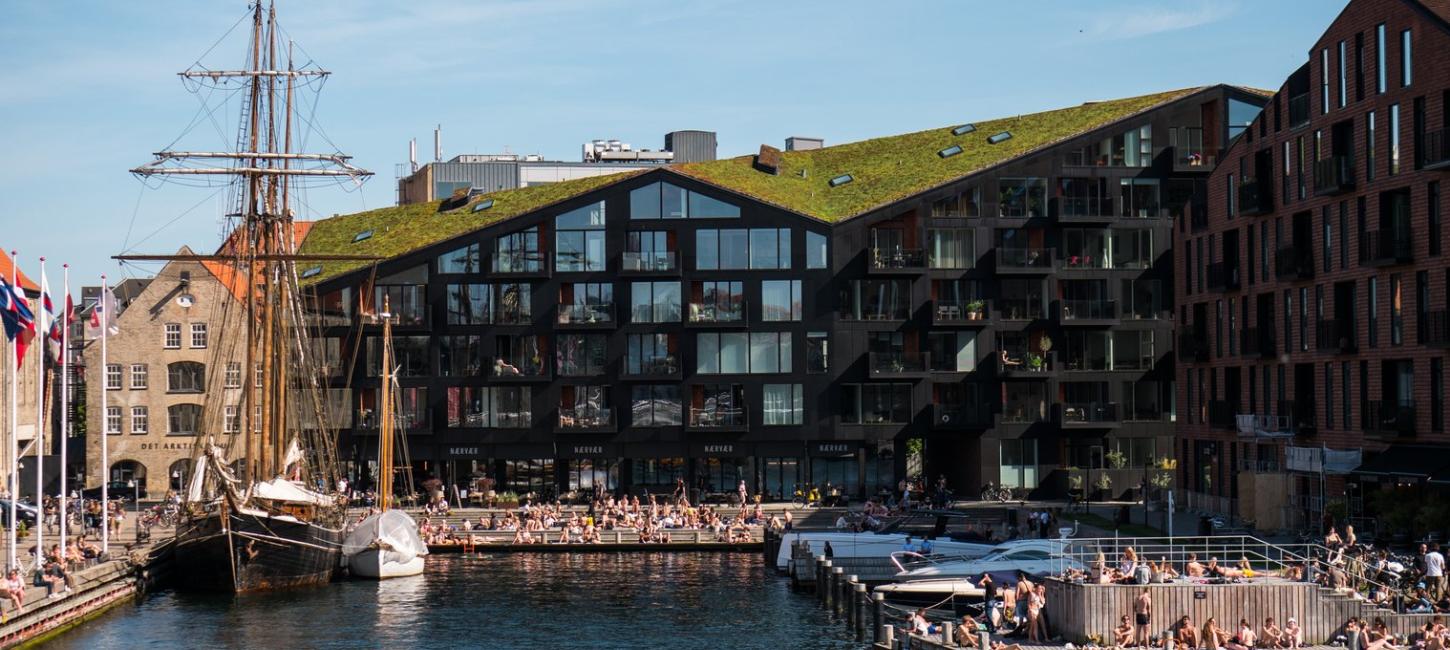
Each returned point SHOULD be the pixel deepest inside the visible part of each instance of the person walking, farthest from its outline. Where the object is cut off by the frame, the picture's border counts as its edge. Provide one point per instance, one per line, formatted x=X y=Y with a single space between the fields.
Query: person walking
x=1142 y=615
x=1435 y=572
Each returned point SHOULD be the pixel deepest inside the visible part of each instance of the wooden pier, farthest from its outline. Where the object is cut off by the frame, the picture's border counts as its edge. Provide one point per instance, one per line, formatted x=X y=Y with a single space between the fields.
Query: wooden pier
x=611 y=541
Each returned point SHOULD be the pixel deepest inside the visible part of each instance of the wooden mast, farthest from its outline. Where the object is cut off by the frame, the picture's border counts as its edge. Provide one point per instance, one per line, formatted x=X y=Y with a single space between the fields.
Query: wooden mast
x=385 y=408
x=248 y=239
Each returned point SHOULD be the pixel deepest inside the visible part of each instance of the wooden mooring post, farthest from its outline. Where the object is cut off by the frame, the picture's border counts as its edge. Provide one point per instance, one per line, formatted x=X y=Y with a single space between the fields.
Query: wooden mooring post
x=838 y=581
x=860 y=603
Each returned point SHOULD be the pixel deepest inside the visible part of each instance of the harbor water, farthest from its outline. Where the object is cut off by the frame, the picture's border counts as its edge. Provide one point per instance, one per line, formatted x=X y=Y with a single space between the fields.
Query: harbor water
x=522 y=600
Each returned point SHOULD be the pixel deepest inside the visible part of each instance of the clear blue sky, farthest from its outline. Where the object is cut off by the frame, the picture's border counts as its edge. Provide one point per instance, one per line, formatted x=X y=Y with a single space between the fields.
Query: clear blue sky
x=88 y=89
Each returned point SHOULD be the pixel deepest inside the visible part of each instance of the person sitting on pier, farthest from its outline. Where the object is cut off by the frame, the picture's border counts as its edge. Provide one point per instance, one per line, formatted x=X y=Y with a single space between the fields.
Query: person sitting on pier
x=1272 y=636
x=1244 y=639
x=1380 y=636
x=1163 y=571
x=1129 y=565
x=1123 y=633
x=1193 y=568
x=1332 y=539
x=13 y=588
x=1183 y=636
x=966 y=632
x=1293 y=636
x=53 y=577
x=1214 y=637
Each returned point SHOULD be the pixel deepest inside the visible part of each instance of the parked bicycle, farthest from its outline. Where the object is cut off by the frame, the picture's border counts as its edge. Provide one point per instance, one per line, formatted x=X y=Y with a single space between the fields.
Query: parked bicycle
x=1000 y=494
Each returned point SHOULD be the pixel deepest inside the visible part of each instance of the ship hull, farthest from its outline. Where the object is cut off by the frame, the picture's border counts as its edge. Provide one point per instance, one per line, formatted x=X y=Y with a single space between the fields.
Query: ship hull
x=240 y=552
x=379 y=564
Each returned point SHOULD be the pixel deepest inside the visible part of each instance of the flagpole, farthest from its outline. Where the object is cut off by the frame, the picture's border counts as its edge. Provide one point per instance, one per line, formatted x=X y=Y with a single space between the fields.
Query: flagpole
x=40 y=422
x=13 y=484
x=105 y=435
x=64 y=397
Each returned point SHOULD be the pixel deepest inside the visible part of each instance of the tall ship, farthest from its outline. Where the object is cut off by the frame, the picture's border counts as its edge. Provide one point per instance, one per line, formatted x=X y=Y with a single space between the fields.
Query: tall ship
x=261 y=508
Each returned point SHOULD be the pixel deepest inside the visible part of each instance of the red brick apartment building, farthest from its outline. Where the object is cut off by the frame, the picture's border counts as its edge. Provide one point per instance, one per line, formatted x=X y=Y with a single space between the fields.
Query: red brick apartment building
x=1313 y=289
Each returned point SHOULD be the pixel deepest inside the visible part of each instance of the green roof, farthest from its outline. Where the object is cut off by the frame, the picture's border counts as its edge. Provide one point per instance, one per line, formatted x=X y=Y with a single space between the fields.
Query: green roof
x=404 y=228
x=892 y=168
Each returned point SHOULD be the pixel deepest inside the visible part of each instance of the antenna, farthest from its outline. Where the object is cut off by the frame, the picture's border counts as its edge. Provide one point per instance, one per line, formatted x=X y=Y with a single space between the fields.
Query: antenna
x=438 y=143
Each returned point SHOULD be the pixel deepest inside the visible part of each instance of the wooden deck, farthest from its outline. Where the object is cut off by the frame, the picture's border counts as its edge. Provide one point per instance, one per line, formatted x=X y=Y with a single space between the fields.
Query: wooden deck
x=1076 y=611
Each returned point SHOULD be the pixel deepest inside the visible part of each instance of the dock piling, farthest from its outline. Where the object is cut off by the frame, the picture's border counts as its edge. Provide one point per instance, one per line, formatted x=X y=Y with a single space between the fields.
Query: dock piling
x=947 y=639
x=878 y=615
x=838 y=582
x=859 y=604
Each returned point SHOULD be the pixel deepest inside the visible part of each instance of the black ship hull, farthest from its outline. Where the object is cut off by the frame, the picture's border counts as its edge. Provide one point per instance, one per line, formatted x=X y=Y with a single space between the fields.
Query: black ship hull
x=240 y=552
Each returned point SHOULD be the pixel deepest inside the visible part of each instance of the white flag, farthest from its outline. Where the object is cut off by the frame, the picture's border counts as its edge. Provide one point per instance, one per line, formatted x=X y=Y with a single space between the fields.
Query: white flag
x=105 y=308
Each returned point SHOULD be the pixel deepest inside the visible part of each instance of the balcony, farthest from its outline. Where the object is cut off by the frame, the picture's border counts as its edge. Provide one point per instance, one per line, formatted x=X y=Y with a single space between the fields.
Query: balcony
x=1437 y=149
x=1223 y=277
x=1303 y=417
x=714 y=314
x=1025 y=260
x=1018 y=363
x=586 y=316
x=520 y=264
x=898 y=365
x=1090 y=312
x=1090 y=415
x=1389 y=420
x=1336 y=336
x=1435 y=330
x=719 y=419
x=1221 y=414
x=1333 y=175
x=1084 y=210
x=666 y=262
x=1255 y=198
x=1385 y=248
x=1021 y=310
x=1263 y=426
x=959 y=416
x=1293 y=262
x=665 y=367
x=898 y=260
x=585 y=420
x=959 y=312
x=521 y=370
x=1257 y=342
x=1076 y=261
x=1192 y=345
x=1189 y=155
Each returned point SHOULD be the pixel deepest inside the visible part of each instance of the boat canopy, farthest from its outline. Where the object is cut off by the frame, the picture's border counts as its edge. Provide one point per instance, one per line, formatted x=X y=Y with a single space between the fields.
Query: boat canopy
x=393 y=530
x=280 y=489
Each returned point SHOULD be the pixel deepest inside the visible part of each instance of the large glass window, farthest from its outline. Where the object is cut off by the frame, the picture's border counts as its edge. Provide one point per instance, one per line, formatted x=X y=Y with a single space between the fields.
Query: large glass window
x=1139 y=197
x=515 y=303
x=460 y=356
x=470 y=304
x=519 y=355
x=717 y=302
x=717 y=405
x=518 y=252
x=1133 y=148
x=1133 y=249
x=405 y=302
x=652 y=354
x=183 y=419
x=581 y=355
x=1144 y=298
x=666 y=201
x=1022 y=197
x=1394 y=139
x=741 y=352
x=655 y=302
x=650 y=250
x=816 y=251
x=1084 y=197
x=951 y=248
x=963 y=205
x=183 y=377
x=655 y=406
x=770 y=248
x=1380 y=44
x=783 y=404
x=1406 y=59
x=463 y=260
x=875 y=403
x=504 y=407
x=877 y=300
x=780 y=300
x=580 y=239
x=410 y=356
x=585 y=407
x=953 y=351
x=817 y=352
x=586 y=302
x=1017 y=467
x=770 y=352
x=529 y=476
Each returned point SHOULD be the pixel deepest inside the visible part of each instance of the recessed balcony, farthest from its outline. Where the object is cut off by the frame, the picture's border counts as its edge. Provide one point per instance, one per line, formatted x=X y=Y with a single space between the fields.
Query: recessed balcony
x=1025 y=260
x=1389 y=420
x=719 y=419
x=1293 y=263
x=585 y=420
x=716 y=314
x=894 y=260
x=1334 y=175
x=959 y=312
x=898 y=365
x=1089 y=415
x=1090 y=312
x=1334 y=335
x=1385 y=248
x=1255 y=198
x=586 y=316
x=649 y=263
x=1437 y=149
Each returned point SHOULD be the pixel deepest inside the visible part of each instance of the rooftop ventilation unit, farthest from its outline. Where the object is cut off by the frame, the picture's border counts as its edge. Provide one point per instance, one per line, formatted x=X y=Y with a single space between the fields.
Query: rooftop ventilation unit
x=964 y=129
x=841 y=180
x=1000 y=138
x=950 y=151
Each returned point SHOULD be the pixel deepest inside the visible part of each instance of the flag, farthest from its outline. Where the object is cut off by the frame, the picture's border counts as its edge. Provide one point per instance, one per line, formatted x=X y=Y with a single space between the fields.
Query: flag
x=106 y=306
x=19 y=320
x=56 y=335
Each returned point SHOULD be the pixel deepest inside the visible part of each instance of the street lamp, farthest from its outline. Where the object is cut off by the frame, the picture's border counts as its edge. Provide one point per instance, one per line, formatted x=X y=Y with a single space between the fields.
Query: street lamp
x=135 y=496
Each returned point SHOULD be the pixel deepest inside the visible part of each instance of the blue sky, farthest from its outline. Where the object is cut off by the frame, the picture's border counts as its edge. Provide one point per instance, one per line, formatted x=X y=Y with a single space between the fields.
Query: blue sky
x=89 y=87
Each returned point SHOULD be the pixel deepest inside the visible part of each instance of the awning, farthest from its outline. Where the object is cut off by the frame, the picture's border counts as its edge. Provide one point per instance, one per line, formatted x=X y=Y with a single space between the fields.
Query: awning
x=1407 y=461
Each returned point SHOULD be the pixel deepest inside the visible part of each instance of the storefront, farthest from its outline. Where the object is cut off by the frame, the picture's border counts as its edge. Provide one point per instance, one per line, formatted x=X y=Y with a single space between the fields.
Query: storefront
x=590 y=468
x=837 y=465
x=655 y=467
x=780 y=468
x=526 y=469
x=464 y=465
x=719 y=467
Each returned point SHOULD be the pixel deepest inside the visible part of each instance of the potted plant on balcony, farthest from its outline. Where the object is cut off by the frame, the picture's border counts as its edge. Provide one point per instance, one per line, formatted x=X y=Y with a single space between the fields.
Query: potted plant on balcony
x=1104 y=486
x=1075 y=492
x=1034 y=362
x=974 y=309
x=1116 y=459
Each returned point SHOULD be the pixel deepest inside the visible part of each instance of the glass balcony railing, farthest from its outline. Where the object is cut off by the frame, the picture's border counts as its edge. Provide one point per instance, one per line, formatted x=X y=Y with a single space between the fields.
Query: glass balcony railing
x=586 y=314
x=649 y=262
x=591 y=418
x=897 y=259
x=715 y=312
x=1090 y=413
x=1089 y=310
x=1025 y=258
x=719 y=417
x=892 y=364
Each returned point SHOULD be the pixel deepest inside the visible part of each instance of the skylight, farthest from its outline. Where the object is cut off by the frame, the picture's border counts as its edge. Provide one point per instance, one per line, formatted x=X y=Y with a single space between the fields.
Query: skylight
x=366 y=234
x=841 y=180
x=964 y=129
x=1000 y=138
x=950 y=151
x=312 y=272
x=483 y=205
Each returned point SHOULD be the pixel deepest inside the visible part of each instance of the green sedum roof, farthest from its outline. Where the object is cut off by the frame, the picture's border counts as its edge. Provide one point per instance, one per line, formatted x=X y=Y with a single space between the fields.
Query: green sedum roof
x=405 y=228
x=895 y=167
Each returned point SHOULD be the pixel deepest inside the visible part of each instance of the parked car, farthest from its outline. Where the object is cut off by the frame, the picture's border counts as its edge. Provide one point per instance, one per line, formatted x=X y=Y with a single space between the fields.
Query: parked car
x=26 y=512
x=116 y=491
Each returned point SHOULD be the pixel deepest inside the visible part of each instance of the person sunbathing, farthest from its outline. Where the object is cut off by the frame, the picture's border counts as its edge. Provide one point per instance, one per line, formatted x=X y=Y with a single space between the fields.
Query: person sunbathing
x=1193 y=569
x=1183 y=637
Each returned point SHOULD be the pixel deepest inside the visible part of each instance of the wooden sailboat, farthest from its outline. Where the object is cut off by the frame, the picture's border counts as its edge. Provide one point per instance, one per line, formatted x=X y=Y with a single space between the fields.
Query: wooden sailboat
x=386 y=544
x=261 y=510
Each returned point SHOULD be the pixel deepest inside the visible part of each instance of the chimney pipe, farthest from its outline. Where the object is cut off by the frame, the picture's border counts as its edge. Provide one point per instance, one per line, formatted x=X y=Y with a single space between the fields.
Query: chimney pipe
x=438 y=144
x=413 y=153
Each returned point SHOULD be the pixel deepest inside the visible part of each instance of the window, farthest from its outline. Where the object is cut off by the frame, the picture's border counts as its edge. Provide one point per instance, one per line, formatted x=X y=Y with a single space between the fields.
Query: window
x=780 y=300
x=1329 y=396
x=816 y=251
x=1406 y=59
x=1433 y=208
x=953 y=351
x=951 y=248
x=257 y=375
x=234 y=375
x=783 y=404
x=1304 y=319
x=875 y=403
x=1379 y=52
x=1022 y=197
x=518 y=252
x=1343 y=86
x=655 y=302
x=113 y=419
x=731 y=249
x=652 y=354
x=460 y=356
x=1324 y=81
x=173 y=336
x=579 y=239
x=656 y=406
x=877 y=300
x=1397 y=314
x=817 y=352
x=198 y=335
x=1369 y=146
x=1372 y=321
x=404 y=301
x=666 y=201
x=186 y=377
x=742 y=353
x=464 y=260
x=410 y=356
x=1288 y=171
x=501 y=407
x=1133 y=148
x=1084 y=197
x=1326 y=246
x=586 y=302
x=1437 y=387
x=581 y=355
x=717 y=302
x=138 y=376
x=469 y=304
x=1343 y=235
x=1232 y=203
x=1346 y=411
x=1394 y=139
x=513 y=303
x=231 y=419
x=183 y=419
x=650 y=250
x=140 y=421
x=958 y=206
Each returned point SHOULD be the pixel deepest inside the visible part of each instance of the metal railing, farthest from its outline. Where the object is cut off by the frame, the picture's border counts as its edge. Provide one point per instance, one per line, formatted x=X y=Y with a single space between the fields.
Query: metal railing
x=1090 y=413
x=1089 y=309
x=586 y=314
x=897 y=363
x=1255 y=197
x=1293 y=262
x=1385 y=247
x=953 y=311
x=1335 y=335
x=1389 y=418
x=1025 y=258
x=586 y=418
x=1437 y=149
x=718 y=417
x=1435 y=328
x=715 y=312
x=898 y=258
x=1334 y=175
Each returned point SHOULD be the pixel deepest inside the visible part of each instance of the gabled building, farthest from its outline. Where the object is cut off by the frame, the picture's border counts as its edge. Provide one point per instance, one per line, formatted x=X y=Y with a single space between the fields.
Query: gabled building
x=998 y=291
x=1313 y=294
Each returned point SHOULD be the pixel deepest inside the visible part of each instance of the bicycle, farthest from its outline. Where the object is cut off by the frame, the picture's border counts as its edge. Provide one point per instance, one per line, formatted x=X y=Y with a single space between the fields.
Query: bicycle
x=1001 y=494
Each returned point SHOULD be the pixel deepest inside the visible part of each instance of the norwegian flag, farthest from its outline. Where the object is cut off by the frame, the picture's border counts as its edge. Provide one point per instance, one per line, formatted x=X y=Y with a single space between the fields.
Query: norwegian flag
x=19 y=320
x=54 y=336
x=105 y=305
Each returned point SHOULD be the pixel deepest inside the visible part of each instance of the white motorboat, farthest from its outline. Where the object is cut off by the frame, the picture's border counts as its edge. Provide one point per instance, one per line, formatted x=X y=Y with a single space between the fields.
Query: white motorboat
x=1034 y=557
x=881 y=545
x=385 y=545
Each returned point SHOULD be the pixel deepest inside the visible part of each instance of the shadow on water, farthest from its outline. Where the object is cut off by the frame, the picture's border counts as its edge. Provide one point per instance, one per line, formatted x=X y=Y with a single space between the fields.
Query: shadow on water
x=628 y=600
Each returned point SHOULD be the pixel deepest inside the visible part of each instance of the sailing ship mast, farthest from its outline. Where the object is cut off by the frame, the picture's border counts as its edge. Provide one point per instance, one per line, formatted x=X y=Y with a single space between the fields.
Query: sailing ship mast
x=385 y=406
